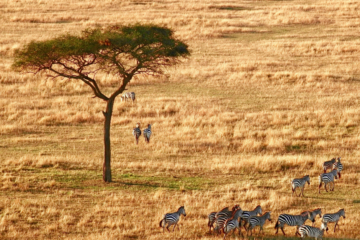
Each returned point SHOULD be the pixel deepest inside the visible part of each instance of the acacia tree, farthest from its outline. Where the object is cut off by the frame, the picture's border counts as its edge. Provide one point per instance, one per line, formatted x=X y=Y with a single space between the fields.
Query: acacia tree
x=122 y=51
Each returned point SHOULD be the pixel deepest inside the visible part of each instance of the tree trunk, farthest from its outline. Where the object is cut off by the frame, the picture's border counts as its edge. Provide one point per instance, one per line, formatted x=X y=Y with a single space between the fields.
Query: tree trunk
x=107 y=149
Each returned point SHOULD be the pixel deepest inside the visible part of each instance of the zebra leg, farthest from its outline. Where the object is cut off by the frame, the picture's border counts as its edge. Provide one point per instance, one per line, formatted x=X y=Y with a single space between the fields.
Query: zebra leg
x=325 y=187
x=174 y=227
x=297 y=231
x=282 y=229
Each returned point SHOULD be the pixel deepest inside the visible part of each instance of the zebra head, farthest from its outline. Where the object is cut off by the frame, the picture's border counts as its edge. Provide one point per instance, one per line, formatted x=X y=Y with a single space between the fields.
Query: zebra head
x=138 y=125
x=258 y=210
x=181 y=210
x=324 y=226
x=236 y=207
x=268 y=217
x=307 y=178
x=149 y=126
x=335 y=173
x=342 y=212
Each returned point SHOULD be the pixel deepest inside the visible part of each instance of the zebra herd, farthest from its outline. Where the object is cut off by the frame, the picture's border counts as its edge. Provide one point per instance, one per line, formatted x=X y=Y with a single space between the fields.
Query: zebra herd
x=326 y=178
x=137 y=131
x=227 y=221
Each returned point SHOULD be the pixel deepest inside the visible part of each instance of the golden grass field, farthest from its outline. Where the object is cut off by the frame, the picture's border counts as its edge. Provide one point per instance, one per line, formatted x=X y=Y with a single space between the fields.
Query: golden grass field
x=271 y=91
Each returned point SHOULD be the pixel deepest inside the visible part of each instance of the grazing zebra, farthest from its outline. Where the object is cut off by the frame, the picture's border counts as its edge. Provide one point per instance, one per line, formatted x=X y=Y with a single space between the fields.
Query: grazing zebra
x=309 y=231
x=128 y=96
x=338 y=165
x=137 y=132
x=247 y=214
x=222 y=216
x=328 y=178
x=313 y=214
x=258 y=221
x=328 y=164
x=172 y=218
x=232 y=223
x=147 y=133
x=291 y=220
x=299 y=183
x=333 y=217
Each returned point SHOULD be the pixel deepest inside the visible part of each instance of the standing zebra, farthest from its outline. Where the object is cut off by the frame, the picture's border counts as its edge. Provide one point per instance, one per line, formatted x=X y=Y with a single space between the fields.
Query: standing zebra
x=328 y=178
x=338 y=165
x=313 y=214
x=328 y=164
x=232 y=223
x=222 y=216
x=128 y=96
x=137 y=132
x=147 y=133
x=172 y=219
x=247 y=214
x=291 y=220
x=309 y=231
x=212 y=216
x=333 y=217
x=299 y=183
x=258 y=221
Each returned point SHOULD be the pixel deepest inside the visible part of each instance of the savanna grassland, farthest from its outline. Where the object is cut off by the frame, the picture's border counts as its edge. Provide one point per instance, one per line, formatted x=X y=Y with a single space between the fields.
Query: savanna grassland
x=271 y=90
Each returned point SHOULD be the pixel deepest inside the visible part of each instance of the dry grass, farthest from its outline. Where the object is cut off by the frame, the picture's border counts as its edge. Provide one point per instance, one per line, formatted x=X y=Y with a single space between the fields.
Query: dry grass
x=270 y=92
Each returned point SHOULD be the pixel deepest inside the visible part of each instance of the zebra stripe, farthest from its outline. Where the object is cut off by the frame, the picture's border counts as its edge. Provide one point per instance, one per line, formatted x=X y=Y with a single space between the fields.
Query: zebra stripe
x=313 y=214
x=291 y=220
x=247 y=214
x=299 y=183
x=258 y=221
x=333 y=217
x=137 y=132
x=328 y=164
x=233 y=223
x=222 y=216
x=309 y=231
x=147 y=133
x=338 y=166
x=328 y=178
x=172 y=219
x=211 y=220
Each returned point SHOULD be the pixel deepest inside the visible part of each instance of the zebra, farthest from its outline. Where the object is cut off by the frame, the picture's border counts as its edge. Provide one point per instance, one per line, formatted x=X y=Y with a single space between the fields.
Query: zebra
x=258 y=221
x=299 y=183
x=333 y=217
x=137 y=133
x=128 y=95
x=212 y=216
x=328 y=178
x=338 y=165
x=313 y=214
x=328 y=164
x=222 y=216
x=291 y=220
x=247 y=214
x=309 y=231
x=147 y=133
x=172 y=219
x=233 y=223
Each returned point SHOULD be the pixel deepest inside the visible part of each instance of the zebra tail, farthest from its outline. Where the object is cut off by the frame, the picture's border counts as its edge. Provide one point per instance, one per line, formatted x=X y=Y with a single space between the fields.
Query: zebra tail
x=160 y=224
x=277 y=225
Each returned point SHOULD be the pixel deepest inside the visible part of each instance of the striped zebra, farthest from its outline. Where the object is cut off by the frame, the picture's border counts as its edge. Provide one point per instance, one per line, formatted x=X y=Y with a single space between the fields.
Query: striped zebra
x=222 y=216
x=299 y=183
x=313 y=214
x=147 y=133
x=137 y=133
x=247 y=214
x=309 y=231
x=172 y=219
x=333 y=217
x=328 y=164
x=258 y=221
x=128 y=96
x=233 y=223
x=328 y=178
x=291 y=220
x=212 y=216
x=338 y=166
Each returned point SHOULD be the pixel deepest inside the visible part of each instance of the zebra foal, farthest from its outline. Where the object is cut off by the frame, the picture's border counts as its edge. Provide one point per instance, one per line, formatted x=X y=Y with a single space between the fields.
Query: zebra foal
x=333 y=217
x=313 y=214
x=172 y=219
x=258 y=221
x=328 y=178
x=299 y=183
x=247 y=214
x=309 y=231
x=233 y=223
x=291 y=220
